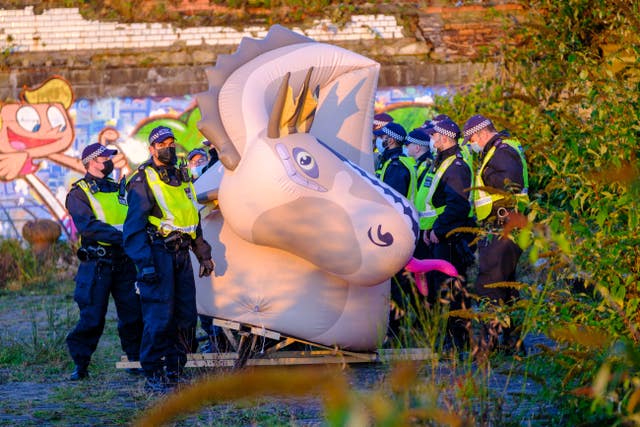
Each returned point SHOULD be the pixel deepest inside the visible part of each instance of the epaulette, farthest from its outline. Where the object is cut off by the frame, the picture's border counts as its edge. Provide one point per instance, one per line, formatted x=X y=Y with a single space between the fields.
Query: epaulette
x=145 y=164
x=136 y=176
x=75 y=183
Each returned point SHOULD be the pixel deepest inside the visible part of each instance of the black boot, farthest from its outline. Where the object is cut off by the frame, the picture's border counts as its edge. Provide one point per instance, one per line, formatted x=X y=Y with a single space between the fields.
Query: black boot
x=79 y=373
x=156 y=384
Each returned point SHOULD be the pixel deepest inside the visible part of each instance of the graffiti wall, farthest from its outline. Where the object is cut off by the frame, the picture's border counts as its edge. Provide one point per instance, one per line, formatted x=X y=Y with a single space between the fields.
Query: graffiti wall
x=43 y=133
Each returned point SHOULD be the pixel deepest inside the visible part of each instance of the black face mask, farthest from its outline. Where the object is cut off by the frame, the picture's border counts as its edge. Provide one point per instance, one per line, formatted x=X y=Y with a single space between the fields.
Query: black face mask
x=107 y=167
x=167 y=155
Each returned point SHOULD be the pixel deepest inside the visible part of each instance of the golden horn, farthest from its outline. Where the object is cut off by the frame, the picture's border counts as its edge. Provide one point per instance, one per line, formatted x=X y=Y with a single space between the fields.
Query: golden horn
x=273 y=130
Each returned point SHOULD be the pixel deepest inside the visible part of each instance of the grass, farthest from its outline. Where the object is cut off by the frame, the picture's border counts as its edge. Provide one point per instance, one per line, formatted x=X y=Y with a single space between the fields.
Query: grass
x=453 y=388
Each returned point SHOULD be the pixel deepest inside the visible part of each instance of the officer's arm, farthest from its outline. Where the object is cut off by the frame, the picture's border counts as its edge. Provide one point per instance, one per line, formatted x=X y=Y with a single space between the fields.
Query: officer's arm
x=88 y=226
x=456 y=180
x=505 y=167
x=136 y=241
x=200 y=247
x=397 y=177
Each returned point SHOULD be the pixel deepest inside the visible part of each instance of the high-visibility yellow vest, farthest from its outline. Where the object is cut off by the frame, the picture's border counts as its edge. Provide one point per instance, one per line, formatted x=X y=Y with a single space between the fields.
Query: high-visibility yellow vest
x=483 y=201
x=410 y=164
x=177 y=204
x=424 y=195
x=106 y=207
x=467 y=156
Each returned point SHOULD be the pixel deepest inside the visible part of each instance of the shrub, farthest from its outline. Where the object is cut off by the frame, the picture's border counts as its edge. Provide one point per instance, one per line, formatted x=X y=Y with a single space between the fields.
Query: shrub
x=569 y=89
x=21 y=269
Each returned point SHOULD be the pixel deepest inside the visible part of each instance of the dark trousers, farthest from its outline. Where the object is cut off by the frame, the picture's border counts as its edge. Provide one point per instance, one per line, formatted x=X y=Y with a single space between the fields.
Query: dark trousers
x=169 y=313
x=498 y=259
x=95 y=280
x=455 y=292
x=448 y=251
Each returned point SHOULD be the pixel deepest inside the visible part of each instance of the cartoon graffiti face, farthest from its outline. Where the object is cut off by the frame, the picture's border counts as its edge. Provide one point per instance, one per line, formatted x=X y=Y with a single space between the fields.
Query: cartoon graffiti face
x=38 y=129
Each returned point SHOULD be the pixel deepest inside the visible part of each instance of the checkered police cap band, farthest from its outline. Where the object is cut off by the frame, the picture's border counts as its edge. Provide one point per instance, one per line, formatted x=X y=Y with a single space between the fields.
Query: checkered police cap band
x=95 y=154
x=159 y=134
x=380 y=122
x=483 y=124
x=409 y=139
x=392 y=134
x=451 y=134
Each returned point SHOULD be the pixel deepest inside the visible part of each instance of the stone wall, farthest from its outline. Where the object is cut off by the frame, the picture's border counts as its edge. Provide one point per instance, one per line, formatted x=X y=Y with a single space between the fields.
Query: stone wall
x=431 y=46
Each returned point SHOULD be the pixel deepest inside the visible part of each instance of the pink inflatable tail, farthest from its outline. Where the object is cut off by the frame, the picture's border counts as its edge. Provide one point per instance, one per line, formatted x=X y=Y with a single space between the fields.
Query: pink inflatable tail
x=421 y=266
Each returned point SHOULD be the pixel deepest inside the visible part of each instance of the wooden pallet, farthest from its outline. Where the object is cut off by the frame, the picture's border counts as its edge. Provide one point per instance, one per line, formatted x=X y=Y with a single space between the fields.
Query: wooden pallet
x=256 y=346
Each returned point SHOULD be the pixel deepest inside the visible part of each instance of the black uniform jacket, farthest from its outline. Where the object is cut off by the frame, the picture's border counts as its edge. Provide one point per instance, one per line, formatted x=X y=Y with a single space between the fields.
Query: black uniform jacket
x=90 y=228
x=397 y=176
x=142 y=204
x=452 y=193
x=504 y=169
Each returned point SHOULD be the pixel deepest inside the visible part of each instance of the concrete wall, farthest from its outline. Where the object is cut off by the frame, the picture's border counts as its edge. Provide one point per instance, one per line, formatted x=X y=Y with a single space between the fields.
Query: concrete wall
x=431 y=47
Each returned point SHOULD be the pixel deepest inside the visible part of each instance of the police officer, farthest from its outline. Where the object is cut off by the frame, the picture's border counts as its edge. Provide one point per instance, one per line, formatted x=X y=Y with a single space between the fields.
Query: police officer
x=502 y=167
x=197 y=160
x=98 y=210
x=442 y=198
x=442 y=201
x=395 y=168
x=161 y=226
x=418 y=147
x=398 y=171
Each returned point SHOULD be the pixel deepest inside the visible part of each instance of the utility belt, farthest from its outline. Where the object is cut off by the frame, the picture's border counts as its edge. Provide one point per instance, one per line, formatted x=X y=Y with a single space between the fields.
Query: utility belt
x=99 y=252
x=174 y=242
x=497 y=219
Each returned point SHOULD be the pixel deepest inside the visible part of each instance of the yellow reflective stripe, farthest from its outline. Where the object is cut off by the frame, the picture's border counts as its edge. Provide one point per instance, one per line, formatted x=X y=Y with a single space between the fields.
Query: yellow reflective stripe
x=409 y=163
x=172 y=199
x=95 y=205
x=482 y=201
x=429 y=215
x=156 y=188
x=106 y=207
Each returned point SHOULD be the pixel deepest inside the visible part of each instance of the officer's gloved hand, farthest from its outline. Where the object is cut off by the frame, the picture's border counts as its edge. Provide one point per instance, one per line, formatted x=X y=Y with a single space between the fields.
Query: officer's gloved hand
x=206 y=267
x=148 y=275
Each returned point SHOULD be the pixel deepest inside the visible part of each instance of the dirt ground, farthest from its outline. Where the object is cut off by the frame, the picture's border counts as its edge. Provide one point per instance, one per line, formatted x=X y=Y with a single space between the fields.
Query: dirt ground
x=34 y=391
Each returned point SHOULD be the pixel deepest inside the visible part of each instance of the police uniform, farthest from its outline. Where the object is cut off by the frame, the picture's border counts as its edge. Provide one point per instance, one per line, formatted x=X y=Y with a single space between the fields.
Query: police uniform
x=98 y=214
x=423 y=165
x=161 y=225
x=443 y=204
x=398 y=171
x=501 y=161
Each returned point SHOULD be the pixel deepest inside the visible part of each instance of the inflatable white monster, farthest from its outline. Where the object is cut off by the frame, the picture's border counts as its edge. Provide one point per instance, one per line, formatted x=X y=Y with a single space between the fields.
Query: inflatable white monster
x=305 y=238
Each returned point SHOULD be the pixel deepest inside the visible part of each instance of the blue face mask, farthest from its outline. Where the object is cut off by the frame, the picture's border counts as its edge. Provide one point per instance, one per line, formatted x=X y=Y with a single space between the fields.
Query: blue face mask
x=196 y=171
x=432 y=147
x=475 y=147
x=380 y=145
x=405 y=151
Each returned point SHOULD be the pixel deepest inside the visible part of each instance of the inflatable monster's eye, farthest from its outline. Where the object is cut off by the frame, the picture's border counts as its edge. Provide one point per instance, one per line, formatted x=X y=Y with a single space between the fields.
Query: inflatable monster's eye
x=28 y=118
x=56 y=118
x=306 y=162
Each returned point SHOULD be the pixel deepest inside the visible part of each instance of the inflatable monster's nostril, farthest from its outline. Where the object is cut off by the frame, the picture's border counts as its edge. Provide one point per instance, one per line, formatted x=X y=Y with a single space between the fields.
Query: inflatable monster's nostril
x=380 y=239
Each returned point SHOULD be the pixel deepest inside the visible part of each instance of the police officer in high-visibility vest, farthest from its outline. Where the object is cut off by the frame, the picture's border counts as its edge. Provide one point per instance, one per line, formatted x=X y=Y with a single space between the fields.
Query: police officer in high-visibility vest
x=465 y=149
x=418 y=147
x=162 y=224
x=442 y=201
x=380 y=120
x=394 y=167
x=98 y=210
x=398 y=171
x=502 y=166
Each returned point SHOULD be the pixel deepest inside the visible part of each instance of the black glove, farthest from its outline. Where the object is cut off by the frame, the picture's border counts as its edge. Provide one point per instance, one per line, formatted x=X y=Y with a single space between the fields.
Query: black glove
x=206 y=267
x=148 y=275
